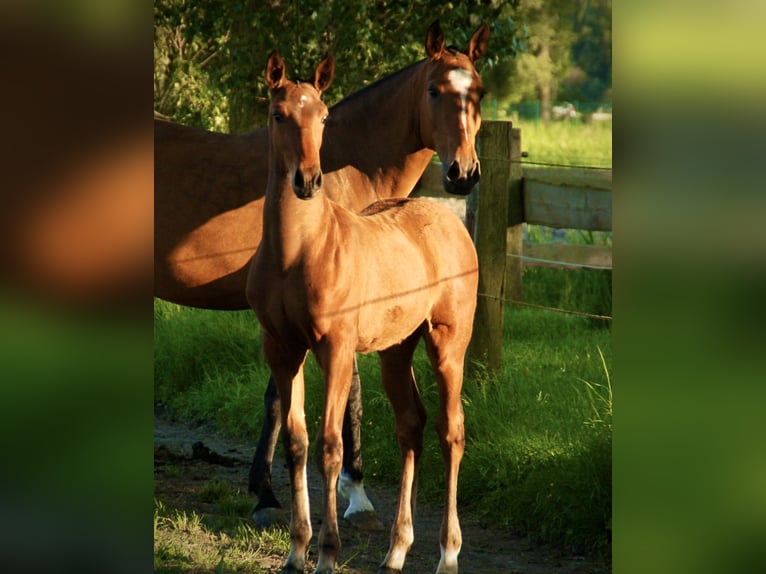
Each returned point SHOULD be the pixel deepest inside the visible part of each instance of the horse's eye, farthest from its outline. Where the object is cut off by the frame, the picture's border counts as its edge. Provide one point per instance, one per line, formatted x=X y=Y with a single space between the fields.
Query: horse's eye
x=433 y=92
x=325 y=118
x=277 y=117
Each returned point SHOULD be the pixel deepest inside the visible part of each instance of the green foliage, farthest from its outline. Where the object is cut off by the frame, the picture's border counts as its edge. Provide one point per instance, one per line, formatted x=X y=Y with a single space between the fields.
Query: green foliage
x=190 y=39
x=590 y=77
x=564 y=53
x=209 y=56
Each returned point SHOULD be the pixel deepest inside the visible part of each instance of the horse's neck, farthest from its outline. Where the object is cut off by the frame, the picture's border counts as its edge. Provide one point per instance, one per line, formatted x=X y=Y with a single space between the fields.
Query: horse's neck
x=292 y=226
x=378 y=133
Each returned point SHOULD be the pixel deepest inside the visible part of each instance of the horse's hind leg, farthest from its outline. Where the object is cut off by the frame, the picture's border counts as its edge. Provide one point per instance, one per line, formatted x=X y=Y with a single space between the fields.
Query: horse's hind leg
x=410 y=420
x=267 y=511
x=360 y=511
x=447 y=354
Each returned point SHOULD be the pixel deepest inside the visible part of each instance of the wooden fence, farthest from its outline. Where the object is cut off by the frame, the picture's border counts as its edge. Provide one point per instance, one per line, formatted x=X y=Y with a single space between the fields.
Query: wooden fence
x=508 y=196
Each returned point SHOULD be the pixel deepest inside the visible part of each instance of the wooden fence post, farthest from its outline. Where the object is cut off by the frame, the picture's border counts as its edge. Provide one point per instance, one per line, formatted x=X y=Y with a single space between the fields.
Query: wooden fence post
x=514 y=234
x=494 y=142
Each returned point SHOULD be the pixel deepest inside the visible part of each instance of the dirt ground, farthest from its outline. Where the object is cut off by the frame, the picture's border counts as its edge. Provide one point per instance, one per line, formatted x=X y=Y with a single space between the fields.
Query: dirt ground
x=485 y=550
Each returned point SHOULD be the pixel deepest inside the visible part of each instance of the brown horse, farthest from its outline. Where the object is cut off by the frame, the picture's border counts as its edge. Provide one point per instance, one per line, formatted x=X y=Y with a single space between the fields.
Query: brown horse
x=209 y=197
x=335 y=282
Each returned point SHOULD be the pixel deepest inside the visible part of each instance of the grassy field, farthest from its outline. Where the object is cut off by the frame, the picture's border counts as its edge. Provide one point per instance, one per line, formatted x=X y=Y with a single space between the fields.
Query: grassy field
x=538 y=433
x=567 y=143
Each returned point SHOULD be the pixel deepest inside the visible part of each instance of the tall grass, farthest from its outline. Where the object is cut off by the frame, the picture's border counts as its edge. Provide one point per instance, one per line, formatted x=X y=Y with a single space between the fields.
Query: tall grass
x=567 y=143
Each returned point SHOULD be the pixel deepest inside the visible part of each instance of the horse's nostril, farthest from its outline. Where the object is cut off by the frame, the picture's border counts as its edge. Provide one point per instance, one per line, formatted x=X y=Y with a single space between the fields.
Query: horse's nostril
x=298 y=179
x=454 y=171
x=318 y=181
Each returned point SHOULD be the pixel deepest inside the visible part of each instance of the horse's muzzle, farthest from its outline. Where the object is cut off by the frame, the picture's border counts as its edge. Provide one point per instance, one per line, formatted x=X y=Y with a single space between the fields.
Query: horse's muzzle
x=307 y=185
x=460 y=181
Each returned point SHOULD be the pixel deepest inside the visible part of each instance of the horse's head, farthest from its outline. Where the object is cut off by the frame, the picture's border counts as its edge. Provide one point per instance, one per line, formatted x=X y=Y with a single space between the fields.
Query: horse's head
x=450 y=112
x=296 y=122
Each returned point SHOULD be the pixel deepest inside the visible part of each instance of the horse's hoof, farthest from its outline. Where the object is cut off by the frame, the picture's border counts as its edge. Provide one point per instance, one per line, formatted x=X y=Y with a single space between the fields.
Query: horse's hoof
x=387 y=570
x=365 y=521
x=269 y=517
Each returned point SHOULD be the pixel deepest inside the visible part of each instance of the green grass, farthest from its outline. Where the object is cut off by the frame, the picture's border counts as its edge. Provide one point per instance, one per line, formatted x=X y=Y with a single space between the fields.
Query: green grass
x=567 y=143
x=538 y=432
x=183 y=542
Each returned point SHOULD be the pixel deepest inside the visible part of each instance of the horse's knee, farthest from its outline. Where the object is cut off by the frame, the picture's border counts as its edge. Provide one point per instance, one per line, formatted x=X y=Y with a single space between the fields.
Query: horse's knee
x=451 y=430
x=296 y=447
x=409 y=432
x=329 y=452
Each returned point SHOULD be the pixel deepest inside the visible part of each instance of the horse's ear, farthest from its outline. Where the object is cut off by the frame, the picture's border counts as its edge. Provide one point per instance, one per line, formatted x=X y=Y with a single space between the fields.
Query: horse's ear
x=275 y=70
x=324 y=73
x=435 y=41
x=477 y=46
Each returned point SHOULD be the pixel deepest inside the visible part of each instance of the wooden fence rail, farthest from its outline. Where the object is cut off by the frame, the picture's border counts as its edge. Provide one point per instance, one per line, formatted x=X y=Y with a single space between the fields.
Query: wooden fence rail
x=508 y=196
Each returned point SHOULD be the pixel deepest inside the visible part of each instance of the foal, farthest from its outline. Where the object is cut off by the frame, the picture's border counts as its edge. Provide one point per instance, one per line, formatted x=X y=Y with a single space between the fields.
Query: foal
x=334 y=282
x=209 y=198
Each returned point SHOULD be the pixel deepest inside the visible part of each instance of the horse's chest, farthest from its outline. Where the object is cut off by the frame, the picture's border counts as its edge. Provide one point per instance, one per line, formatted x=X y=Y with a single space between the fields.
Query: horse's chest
x=300 y=309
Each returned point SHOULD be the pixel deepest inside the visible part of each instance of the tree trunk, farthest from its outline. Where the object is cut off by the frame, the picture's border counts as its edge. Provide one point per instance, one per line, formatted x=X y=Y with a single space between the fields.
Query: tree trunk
x=545 y=88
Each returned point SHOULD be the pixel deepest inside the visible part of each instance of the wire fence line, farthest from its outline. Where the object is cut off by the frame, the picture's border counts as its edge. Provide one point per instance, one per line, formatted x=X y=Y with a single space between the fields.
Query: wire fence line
x=518 y=303
x=574 y=166
x=559 y=262
x=546 y=308
x=546 y=164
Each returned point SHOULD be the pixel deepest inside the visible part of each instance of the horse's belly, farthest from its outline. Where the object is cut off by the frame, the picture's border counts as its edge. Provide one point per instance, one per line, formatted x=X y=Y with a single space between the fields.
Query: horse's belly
x=383 y=326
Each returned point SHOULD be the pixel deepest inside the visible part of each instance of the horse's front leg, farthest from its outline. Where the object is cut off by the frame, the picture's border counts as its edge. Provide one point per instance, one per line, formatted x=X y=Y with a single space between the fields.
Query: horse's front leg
x=447 y=354
x=268 y=511
x=336 y=362
x=287 y=368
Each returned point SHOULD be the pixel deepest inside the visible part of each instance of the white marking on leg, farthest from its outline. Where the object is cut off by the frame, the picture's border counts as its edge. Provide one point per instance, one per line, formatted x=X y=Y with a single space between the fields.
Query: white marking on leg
x=461 y=80
x=448 y=561
x=354 y=492
x=395 y=559
x=304 y=492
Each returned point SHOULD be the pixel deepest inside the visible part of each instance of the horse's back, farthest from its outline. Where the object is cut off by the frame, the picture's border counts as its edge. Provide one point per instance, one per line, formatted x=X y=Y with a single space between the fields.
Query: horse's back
x=207 y=213
x=426 y=221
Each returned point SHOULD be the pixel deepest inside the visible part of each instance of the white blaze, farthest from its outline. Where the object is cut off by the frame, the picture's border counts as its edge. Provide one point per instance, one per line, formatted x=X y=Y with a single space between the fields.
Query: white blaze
x=461 y=80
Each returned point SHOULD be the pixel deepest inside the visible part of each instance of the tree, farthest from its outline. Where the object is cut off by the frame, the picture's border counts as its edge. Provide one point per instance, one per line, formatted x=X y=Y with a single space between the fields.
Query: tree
x=549 y=35
x=565 y=52
x=190 y=43
x=209 y=56
x=590 y=77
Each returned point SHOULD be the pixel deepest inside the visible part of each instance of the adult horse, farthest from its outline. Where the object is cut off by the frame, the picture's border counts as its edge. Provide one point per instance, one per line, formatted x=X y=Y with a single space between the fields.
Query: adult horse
x=335 y=282
x=209 y=196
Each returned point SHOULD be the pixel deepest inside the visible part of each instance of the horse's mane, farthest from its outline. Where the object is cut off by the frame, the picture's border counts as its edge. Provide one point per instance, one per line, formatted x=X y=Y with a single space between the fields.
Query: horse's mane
x=384 y=205
x=454 y=50
x=375 y=85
